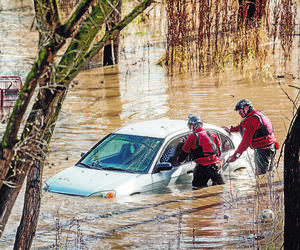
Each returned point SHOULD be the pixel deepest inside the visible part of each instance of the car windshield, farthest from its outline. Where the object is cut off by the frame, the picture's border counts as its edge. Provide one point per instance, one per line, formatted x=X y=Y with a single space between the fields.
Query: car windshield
x=123 y=153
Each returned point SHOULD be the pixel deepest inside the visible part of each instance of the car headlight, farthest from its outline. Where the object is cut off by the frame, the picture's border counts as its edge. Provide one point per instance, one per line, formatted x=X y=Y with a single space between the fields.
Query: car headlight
x=105 y=194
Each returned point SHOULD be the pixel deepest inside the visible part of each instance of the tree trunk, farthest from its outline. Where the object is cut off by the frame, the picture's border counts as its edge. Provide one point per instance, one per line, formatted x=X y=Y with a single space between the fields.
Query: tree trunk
x=111 y=49
x=30 y=150
x=32 y=200
x=292 y=186
x=27 y=228
x=251 y=10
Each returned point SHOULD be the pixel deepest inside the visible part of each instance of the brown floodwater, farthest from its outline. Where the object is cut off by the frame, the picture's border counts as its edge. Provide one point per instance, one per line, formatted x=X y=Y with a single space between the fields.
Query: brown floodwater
x=103 y=100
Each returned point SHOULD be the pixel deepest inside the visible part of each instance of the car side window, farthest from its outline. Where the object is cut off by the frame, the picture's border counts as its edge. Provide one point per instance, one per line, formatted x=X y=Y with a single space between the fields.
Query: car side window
x=172 y=151
x=226 y=143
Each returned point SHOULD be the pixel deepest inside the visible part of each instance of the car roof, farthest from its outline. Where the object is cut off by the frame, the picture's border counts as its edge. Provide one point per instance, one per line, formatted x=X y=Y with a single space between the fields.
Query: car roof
x=154 y=128
x=158 y=128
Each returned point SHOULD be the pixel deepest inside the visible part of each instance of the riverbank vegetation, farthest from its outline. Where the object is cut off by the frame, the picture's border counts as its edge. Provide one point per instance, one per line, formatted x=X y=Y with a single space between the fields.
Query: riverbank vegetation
x=210 y=36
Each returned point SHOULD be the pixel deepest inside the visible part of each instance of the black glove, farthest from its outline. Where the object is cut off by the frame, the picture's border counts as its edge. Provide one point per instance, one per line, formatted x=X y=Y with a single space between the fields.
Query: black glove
x=182 y=156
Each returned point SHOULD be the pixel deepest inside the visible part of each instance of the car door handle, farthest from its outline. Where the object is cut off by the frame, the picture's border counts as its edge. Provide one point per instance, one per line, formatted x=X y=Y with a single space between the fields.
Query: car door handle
x=190 y=171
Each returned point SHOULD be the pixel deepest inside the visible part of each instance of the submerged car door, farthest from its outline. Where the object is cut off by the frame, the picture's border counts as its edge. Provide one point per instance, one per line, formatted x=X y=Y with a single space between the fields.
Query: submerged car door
x=177 y=173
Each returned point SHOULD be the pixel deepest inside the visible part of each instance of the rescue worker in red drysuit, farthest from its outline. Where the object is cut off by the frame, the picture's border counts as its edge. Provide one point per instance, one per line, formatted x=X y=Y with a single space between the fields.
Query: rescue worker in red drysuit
x=204 y=147
x=257 y=133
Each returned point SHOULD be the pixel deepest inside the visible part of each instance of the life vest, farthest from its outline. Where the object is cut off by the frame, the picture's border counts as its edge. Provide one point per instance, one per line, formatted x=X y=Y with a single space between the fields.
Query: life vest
x=207 y=146
x=265 y=129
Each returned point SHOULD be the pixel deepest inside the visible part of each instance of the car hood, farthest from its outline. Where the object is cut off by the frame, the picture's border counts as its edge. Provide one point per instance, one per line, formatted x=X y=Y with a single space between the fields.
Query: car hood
x=85 y=182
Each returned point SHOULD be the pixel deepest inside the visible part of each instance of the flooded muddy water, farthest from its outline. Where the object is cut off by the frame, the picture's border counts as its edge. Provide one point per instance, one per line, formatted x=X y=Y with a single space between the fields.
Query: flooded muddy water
x=103 y=100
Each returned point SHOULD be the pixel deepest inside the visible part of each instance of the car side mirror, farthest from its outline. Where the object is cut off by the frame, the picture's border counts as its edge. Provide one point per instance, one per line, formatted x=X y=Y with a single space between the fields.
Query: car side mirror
x=164 y=166
x=82 y=154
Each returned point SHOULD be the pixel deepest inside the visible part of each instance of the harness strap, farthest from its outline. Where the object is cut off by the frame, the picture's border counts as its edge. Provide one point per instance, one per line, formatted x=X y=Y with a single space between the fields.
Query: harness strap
x=214 y=146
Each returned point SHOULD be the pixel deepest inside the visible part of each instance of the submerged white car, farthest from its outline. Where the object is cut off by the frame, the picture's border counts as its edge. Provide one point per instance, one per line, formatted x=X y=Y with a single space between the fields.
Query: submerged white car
x=137 y=158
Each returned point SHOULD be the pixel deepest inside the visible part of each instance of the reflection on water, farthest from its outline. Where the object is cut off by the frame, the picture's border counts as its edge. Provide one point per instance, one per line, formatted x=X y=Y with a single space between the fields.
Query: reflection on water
x=137 y=90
